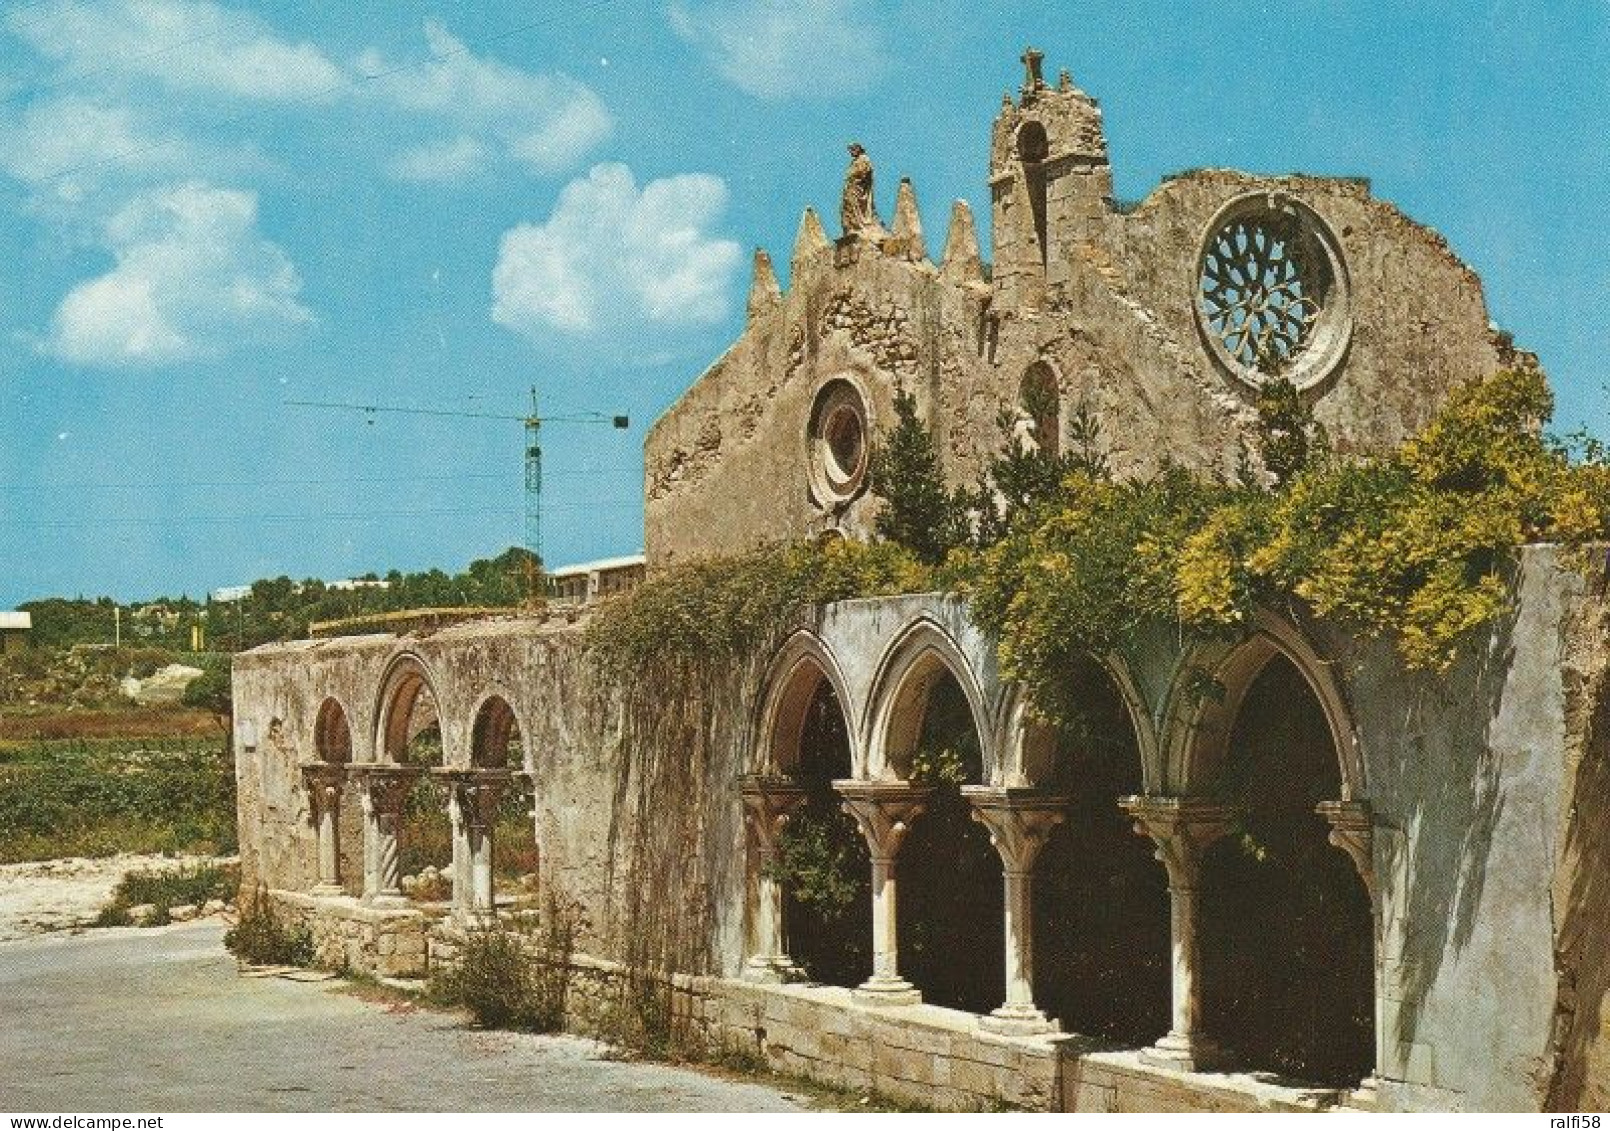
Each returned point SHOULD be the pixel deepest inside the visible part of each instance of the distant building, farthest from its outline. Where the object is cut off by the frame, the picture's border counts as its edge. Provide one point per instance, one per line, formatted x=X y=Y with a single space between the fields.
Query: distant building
x=232 y=593
x=14 y=630
x=586 y=582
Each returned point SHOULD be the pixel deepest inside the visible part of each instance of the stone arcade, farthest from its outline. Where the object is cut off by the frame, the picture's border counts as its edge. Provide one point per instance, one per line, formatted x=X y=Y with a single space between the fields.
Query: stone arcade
x=1445 y=843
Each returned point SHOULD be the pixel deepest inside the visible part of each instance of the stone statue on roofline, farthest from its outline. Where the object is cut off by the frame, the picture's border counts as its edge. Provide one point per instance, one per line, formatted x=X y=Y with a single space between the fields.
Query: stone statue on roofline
x=857 y=214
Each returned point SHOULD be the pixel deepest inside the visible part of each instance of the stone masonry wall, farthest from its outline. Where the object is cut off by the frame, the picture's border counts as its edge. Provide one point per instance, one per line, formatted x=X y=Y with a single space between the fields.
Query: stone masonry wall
x=1111 y=310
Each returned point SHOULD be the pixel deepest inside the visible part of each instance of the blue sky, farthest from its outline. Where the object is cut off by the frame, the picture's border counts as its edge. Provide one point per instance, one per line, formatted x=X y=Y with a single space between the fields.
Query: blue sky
x=209 y=209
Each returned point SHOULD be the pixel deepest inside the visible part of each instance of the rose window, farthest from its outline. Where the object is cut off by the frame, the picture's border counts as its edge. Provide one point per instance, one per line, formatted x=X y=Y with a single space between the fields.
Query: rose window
x=1272 y=294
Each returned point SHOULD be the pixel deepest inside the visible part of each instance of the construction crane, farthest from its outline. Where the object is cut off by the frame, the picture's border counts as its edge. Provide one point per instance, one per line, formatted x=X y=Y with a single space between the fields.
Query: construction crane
x=532 y=422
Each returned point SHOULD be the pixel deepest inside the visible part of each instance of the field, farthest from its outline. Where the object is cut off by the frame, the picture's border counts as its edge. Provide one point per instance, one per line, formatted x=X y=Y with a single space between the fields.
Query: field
x=87 y=783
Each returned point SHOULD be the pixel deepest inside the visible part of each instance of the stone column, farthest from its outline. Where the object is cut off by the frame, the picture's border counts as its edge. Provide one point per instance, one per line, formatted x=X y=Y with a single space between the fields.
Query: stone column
x=481 y=796
x=1182 y=828
x=324 y=781
x=1019 y=821
x=768 y=803
x=884 y=811
x=385 y=788
x=1352 y=829
x=473 y=796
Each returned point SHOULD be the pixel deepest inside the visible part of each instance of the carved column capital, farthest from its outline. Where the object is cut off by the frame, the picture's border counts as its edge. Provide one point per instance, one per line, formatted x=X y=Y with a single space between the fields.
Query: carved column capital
x=1352 y=829
x=477 y=791
x=884 y=811
x=1182 y=828
x=1019 y=821
x=769 y=800
x=385 y=785
x=324 y=781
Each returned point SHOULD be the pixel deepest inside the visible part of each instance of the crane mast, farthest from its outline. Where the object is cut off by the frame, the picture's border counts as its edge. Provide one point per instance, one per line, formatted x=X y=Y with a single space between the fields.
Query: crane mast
x=532 y=423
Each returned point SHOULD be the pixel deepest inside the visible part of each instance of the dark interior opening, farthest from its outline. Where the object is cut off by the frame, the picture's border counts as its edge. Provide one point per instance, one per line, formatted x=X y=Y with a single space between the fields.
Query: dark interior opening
x=1101 y=916
x=951 y=934
x=830 y=934
x=1286 y=935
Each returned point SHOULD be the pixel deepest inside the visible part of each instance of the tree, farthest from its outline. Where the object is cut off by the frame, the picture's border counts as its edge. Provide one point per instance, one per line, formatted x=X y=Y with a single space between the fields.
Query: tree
x=213 y=690
x=919 y=511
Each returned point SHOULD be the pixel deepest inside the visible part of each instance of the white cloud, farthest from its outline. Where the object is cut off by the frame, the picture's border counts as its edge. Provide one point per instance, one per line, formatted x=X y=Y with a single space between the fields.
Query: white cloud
x=450 y=160
x=193 y=277
x=784 y=48
x=546 y=122
x=613 y=257
x=63 y=144
x=183 y=44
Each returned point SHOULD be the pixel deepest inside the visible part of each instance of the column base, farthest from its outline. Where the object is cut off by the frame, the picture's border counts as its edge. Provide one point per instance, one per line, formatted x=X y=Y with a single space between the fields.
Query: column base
x=1185 y=1054
x=1018 y=1020
x=886 y=991
x=772 y=971
x=1367 y=1095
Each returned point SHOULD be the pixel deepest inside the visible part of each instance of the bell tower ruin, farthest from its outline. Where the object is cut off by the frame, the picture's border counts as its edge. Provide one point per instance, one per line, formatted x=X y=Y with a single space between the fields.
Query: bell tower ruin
x=1050 y=183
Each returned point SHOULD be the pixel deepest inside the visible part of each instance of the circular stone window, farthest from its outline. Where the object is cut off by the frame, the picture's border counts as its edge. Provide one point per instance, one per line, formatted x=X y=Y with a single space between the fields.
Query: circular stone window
x=1272 y=296
x=838 y=443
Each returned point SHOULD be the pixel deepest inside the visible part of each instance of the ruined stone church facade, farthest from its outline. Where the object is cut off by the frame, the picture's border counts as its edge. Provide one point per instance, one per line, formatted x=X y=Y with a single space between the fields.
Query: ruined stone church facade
x=1401 y=900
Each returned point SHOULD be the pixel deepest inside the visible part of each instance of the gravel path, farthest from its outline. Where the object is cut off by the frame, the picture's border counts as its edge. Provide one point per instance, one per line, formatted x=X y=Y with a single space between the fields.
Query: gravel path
x=57 y=895
x=159 y=1020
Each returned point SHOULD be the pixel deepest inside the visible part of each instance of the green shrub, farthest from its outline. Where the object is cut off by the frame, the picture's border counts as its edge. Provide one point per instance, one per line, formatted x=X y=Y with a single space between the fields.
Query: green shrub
x=165 y=890
x=262 y=938
x=513 y=974
x=818 y=868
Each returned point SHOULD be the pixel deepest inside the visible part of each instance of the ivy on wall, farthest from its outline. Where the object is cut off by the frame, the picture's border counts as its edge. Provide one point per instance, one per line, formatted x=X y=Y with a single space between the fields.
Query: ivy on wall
x=1416 y=543
x=718 y=609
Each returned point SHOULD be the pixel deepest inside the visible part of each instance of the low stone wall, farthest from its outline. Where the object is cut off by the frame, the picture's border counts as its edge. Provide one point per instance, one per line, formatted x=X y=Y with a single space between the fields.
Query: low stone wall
x=350 y=936
x=922 y=1055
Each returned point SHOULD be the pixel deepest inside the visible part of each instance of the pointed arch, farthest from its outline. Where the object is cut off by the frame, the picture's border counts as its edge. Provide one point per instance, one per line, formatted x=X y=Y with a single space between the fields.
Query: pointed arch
x=496 y=724
x=332 y=732
x=796 y=674
x=1028 y=745
x=1210 y=685
x=920 y=654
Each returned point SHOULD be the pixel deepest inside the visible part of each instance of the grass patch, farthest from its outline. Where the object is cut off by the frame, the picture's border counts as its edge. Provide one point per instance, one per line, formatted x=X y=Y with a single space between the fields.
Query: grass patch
x=262 y=938
x=79 y=797
x=166 y=889
x=514 y=974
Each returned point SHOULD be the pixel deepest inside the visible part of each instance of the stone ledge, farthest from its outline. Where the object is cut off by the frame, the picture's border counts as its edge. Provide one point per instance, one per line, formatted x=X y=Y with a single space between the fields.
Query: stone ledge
x=345 y=907
x=1122 y=1075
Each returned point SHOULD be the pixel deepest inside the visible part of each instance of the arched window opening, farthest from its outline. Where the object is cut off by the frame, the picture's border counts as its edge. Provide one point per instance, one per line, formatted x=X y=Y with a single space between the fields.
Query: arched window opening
x=332 y=742
x=332 y=737
x=1041 y=403
x=1101 y=914
x=497 y=743
x=413 y=736
x=951 y=888
x=828 y=923
x=1033 y=147
x=1286 y=933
